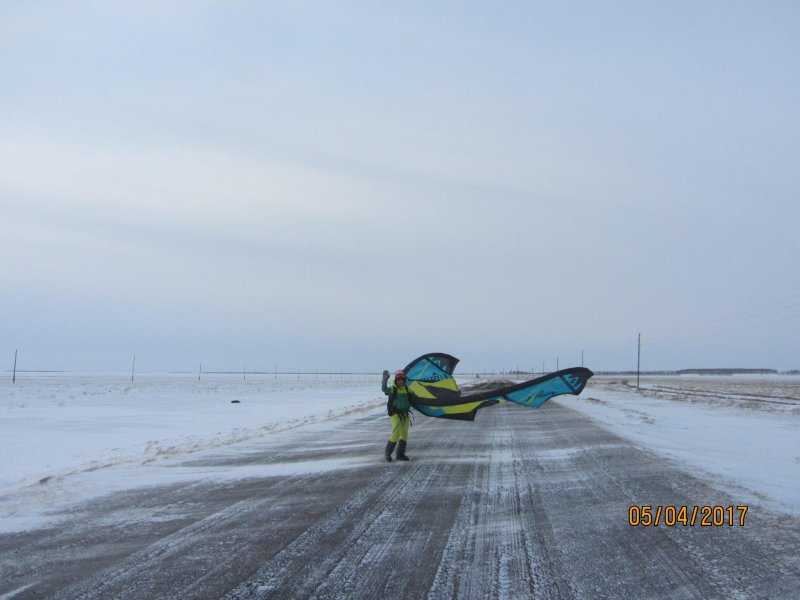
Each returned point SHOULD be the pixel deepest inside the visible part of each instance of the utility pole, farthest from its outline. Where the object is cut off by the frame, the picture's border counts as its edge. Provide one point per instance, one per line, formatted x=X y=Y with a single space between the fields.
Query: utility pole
x=133 y=368
x=14 y=376
x=638 y=360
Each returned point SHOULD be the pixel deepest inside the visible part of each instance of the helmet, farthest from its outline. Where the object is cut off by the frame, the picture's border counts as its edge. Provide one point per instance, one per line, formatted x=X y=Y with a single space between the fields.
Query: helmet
x=400 y=374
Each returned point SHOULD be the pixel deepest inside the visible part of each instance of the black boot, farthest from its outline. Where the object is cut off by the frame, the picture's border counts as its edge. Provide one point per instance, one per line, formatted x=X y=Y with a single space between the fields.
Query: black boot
x=389 y=449
x=401 y=450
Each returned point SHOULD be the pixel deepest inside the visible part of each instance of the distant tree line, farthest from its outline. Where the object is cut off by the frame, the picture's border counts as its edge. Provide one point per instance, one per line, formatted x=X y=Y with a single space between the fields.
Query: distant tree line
x=705 y=372
x=727 y=372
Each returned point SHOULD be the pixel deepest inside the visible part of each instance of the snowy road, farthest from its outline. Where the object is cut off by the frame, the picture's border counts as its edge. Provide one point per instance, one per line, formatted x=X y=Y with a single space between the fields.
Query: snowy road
x=521 y=503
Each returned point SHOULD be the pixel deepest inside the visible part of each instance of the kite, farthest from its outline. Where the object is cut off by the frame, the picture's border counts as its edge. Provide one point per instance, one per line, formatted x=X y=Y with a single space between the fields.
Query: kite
x=435 y=393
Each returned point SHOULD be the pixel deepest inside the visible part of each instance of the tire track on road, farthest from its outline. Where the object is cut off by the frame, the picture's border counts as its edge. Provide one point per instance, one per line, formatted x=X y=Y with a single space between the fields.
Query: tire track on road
x=593 y=477
x=203 y=554
x=489 y=553
x=379 y=542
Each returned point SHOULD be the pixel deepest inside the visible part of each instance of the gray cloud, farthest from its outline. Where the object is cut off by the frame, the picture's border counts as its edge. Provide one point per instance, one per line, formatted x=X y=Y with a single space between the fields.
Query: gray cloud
x=348 y=188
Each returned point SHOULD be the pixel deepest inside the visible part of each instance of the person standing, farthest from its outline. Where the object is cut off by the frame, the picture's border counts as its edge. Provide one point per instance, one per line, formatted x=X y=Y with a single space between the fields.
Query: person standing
x=398 y=407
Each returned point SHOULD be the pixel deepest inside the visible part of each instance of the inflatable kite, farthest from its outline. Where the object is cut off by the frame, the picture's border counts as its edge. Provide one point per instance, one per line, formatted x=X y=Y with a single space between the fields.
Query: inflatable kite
x=435 y=393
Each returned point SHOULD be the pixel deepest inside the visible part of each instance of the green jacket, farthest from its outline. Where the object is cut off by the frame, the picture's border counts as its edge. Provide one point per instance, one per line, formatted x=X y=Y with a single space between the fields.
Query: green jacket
x=401 y=397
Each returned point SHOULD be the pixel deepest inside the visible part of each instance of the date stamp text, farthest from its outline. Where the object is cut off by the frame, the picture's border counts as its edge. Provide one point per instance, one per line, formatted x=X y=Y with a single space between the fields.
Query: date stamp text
x=646 y=515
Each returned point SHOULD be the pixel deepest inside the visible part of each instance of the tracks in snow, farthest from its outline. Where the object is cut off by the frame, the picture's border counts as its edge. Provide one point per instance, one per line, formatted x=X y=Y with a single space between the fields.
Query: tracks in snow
x=729 y=396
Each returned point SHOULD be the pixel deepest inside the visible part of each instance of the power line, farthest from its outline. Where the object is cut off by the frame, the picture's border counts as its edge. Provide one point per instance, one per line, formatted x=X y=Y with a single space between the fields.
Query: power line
x=734 y=323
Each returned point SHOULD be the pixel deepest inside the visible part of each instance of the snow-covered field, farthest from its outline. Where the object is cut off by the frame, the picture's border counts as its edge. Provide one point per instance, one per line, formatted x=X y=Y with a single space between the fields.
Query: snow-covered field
x=741 y=432
x=67 y=437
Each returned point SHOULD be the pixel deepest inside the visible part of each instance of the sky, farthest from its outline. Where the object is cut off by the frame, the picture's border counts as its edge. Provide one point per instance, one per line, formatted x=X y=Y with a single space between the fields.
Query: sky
x=349 y=185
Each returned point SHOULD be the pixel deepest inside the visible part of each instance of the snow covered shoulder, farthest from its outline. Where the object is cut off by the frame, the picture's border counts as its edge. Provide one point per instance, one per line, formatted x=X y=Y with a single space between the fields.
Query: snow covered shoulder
x=737 y=432
x=65 y=437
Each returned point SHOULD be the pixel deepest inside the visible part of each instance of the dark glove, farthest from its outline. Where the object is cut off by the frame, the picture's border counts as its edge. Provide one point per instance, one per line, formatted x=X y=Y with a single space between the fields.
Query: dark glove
x=385 y=376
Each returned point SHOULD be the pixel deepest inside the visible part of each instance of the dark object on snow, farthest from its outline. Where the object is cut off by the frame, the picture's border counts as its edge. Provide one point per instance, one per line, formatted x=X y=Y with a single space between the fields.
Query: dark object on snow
x=235 y=402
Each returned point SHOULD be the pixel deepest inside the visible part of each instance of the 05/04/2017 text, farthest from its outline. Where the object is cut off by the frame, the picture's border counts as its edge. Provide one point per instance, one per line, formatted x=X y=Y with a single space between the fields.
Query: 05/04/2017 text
x=671 y=516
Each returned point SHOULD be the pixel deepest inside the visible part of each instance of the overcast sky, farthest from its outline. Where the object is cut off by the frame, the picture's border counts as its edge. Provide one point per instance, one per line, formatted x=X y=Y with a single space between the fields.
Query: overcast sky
x=347 y=185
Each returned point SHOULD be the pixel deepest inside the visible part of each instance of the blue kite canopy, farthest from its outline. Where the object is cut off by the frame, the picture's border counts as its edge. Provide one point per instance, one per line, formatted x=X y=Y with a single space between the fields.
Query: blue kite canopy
x=435 y=393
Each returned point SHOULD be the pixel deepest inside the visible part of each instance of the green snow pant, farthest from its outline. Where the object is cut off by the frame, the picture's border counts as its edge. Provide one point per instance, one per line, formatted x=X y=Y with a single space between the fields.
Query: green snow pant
x=400 y=428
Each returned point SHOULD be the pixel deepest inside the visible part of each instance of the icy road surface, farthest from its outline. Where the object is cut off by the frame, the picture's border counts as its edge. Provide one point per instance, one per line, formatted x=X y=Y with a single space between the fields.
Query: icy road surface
x=519 y=504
